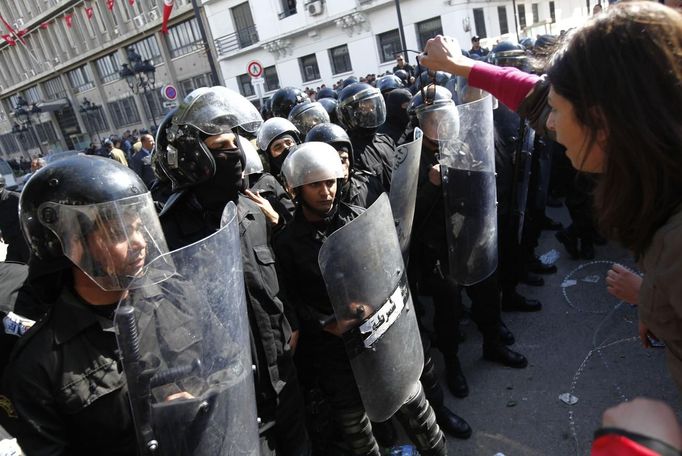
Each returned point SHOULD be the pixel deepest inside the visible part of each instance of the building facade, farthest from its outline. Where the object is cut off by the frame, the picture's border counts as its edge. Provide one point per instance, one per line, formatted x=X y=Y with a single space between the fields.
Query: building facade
x=60 y=87
x=307 y=43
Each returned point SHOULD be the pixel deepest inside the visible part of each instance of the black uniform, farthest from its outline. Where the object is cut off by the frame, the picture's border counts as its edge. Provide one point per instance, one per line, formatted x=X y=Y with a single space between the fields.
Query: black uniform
x=374 y=153
x=362 y=189
x=270 y=189
x=17 y=249
x=278 y=398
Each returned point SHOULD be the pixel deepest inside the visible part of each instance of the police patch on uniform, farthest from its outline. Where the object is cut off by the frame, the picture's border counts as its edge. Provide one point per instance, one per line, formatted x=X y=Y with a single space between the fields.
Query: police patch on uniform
x=7 y=407
x=16 y=325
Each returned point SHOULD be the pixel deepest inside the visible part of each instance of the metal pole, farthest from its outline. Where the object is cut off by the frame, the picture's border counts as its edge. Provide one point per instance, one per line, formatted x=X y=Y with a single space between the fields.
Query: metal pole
x=209 y=54
x=35 y=135
x=516 y=20
x=149 y=105
x=403 y=43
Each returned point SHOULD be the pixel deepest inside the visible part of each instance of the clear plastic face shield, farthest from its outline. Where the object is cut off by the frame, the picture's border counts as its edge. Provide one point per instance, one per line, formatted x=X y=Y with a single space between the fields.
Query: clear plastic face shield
x=253 y=165
x=217 y=110
x=367 y=109
x=308 y=116
x=113 y=243
x=439 y=120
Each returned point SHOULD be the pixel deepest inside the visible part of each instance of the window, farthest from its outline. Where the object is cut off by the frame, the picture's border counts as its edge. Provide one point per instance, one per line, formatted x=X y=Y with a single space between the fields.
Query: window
x=522 y=16
x=9 y=143
x=536 y=13
x=154 y=100
x=188 y=85
x=148 y=49
x=271 y=78
x=502 y=16
x=95 y=120
x=428 y=29
x=46 y=132
x=54 y=89
x=245 y=87
x=288 y=8
x=32 y=95
x=389 y=45
x=340 y=59
x=243 y=25
x=184 y=38
x=80 y=79
x=108 y=67
x=124 y=112
x=552 y=12
x=309 y=69
x=479 y=22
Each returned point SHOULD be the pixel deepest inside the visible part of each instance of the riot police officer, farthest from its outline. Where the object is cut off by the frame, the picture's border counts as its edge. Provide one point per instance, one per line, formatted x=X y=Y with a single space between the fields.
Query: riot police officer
x=284 y=100
x=17 y=249
x=306 y=115
x=362 y=110
x=275 y=138
x=359 y=187
x=204 y=160
x=397 y=119
x=67 y=389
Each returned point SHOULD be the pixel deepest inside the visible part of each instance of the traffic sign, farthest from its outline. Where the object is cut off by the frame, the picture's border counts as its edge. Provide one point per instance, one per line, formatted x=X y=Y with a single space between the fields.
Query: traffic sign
x=169 y=92
x=170 y=104
x=255 y=69
x=258 y=81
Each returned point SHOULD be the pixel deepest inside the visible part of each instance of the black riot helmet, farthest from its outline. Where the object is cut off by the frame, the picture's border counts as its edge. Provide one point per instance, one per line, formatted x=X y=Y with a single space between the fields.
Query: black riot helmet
x=404 y=76
x=509 y=54
x=389 y=82
x=348 y=81
x=205 y=112
x=327 y=92
x=330 y=105
x=361 y=106
x=81 y=207
x=306 y=115
x=441 y=78
x=434 y=111
x=2 y=182
x=333 y=135
x=284 y=100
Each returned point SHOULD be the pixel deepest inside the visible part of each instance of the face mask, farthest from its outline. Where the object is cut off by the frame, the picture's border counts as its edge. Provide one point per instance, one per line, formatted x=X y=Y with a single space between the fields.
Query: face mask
x=276 y=162
x=227 y=181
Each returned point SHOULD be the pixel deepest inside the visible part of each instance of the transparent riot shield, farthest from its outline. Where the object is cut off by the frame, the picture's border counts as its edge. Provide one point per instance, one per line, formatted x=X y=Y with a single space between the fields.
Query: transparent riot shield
x=185 y=350
x=467 y=165
x=366 y=280
x=404 y=189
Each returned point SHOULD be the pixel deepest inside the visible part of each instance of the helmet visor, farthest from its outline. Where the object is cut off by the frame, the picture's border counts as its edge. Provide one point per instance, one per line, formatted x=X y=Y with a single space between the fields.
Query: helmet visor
x=308 y=118
x=253 y=165
x=439 y=121
x=217 y=110
x=113 y=243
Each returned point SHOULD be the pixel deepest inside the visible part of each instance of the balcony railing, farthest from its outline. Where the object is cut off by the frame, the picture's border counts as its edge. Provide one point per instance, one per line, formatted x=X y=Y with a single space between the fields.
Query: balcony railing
x=237 y=40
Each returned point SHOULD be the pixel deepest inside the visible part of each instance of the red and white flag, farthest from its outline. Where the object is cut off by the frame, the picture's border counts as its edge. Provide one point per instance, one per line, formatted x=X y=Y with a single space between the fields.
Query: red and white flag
x=44 y=25
x=68 y=18
x=110 y=5
x=89 y=12
x=167 y=8
x=131 y=2
x=9 y=40
x=13 y=33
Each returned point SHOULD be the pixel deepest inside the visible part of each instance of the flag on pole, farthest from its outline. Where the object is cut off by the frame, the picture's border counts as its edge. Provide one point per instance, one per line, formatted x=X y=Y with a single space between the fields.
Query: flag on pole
x=131 y=2
x=167 y=8
x=89 y=12
x=68 y=18
x=110 y=5
x=11 y=30
x=44 y=25
x=9 y=40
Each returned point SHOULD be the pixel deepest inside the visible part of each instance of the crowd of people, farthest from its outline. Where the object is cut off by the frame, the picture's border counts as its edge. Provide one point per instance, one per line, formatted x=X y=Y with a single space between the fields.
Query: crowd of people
x=124 y=346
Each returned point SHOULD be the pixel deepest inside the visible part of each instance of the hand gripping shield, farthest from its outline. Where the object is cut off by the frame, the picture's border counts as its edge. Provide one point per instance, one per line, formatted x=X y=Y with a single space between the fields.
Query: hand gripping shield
x=467 y=166
x=366 y=280
x=185 y=350
x=404 y=189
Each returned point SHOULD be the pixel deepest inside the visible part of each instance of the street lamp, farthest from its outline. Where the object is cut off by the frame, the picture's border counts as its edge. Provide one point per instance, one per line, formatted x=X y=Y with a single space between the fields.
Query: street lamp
x=141 y=77
x=87 y=109
x=24 y=110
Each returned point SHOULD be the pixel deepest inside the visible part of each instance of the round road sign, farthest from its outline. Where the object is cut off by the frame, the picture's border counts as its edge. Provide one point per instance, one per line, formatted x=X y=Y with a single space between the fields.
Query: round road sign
x=255 y=69
x=169 y=92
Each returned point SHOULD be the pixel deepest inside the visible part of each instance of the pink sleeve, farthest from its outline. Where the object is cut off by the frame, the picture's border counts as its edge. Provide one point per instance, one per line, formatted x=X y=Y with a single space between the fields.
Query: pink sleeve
x=508 y=84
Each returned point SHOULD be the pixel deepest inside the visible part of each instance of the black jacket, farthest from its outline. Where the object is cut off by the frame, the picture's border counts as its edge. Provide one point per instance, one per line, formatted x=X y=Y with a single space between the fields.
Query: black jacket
x=374 y=153
x=186 y=222
x=17 y=249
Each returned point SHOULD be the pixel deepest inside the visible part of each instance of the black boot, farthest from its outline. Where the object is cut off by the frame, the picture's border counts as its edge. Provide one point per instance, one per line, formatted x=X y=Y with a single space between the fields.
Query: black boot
x=501 y=354
x=448 y=421
x=570 y=243
x=514 y=302
x=506 y=336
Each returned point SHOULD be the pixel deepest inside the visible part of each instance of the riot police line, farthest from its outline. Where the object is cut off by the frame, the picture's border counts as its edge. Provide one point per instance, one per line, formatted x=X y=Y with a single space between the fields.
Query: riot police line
x=271 y=279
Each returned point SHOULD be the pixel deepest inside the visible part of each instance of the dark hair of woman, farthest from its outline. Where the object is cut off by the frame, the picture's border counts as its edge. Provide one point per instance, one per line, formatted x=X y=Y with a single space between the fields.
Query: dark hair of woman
x=623 y=75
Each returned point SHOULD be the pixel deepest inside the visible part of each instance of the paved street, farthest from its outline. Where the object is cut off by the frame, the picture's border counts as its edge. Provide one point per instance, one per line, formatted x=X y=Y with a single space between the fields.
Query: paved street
x=582 y=343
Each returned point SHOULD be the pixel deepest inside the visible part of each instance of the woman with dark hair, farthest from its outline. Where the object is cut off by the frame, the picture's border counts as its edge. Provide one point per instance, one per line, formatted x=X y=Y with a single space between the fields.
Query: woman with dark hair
x=612 y=95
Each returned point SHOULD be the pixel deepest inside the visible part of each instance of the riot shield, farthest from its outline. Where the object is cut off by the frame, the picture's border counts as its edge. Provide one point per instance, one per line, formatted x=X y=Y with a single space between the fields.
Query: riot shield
x=363 y=269
x=521 y=180
x=467 y=165
x=185 y=350
x=404 y=189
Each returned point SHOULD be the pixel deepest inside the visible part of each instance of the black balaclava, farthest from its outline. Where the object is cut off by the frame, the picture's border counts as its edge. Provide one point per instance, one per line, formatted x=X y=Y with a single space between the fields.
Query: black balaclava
x=276 y=162
x=226 y=182
x=396 y=114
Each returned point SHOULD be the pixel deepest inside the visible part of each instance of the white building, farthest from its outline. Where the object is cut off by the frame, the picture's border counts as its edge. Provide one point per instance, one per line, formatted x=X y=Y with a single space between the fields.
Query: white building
x=307 y=43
